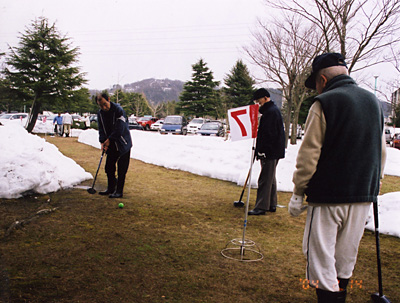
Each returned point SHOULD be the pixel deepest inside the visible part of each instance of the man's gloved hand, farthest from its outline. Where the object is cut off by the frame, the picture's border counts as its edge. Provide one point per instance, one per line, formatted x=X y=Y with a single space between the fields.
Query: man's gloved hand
x=260 y=156
x=296 y=206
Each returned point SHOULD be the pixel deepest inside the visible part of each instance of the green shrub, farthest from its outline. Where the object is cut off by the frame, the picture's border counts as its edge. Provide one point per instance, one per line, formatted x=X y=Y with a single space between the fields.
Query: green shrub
x=94 y=125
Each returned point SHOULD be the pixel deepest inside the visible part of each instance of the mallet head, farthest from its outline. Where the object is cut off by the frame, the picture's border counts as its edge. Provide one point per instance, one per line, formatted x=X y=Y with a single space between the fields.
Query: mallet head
x=376 y=298
x=238 y=204
x=91 y=190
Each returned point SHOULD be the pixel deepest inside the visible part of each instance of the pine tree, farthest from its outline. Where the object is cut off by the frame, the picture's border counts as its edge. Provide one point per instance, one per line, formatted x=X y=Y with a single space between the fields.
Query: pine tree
x=41 y=68
x=199 y=96
x=7 y=97
x=240 y=86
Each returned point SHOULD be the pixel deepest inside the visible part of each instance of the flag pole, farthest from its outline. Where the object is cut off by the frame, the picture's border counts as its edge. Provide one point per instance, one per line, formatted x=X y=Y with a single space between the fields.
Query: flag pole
x=243 y=243
x=244 y=125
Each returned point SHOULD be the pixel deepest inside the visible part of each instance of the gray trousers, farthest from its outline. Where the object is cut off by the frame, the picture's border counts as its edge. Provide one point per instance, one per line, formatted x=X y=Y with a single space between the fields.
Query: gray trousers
x=266 y=192
x=59 y=129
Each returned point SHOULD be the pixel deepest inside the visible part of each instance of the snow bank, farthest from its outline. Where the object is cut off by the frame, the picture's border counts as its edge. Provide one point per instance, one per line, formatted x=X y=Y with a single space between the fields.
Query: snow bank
x=389 y=212
x=30 y=164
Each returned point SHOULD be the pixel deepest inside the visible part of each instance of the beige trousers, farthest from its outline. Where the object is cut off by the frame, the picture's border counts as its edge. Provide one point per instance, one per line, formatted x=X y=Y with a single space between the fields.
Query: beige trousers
x=331 y=238
x=67 y=128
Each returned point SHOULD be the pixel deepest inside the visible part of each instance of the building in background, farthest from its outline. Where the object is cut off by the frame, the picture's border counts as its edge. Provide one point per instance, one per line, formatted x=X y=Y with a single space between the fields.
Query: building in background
x=394 y=104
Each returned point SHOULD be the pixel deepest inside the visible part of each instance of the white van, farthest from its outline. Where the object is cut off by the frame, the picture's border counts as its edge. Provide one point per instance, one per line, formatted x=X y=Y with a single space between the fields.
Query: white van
x=195 y=125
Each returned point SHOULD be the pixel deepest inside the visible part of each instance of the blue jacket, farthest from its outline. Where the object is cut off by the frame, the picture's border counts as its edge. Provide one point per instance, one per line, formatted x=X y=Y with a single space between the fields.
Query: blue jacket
x=58 y=120
x=113 y=125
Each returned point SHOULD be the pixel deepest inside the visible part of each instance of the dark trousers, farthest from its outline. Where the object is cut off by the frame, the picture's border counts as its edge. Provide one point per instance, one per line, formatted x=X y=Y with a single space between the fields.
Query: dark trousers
x=266 y=192
x=114 y=160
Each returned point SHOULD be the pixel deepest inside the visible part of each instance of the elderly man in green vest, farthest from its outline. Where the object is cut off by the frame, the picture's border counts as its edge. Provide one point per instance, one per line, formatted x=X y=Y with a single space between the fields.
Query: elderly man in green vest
x=339 y=167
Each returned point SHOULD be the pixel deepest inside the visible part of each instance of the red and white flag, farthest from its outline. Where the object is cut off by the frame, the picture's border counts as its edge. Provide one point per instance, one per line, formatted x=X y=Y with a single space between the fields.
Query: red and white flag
x=243 y=122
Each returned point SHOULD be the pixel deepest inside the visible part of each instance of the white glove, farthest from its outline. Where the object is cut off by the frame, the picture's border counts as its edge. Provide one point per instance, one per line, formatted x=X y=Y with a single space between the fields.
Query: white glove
x=296 y=206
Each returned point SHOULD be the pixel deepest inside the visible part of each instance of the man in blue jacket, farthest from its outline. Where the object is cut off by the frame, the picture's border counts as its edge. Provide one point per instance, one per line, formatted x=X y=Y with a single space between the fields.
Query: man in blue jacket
x=116 y=140
x=58 y=122
x=270 y=147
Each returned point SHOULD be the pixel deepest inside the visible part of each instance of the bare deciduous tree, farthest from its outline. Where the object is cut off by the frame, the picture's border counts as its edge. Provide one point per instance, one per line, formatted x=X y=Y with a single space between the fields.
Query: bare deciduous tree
x=395 y=53
x=361 y=31
x=284 y=50
x=155 y=108
x=364 y=32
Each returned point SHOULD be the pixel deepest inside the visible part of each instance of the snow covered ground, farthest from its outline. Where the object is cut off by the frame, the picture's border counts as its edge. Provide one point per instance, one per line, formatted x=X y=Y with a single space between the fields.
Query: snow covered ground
x=213 y=157
x=29 y=164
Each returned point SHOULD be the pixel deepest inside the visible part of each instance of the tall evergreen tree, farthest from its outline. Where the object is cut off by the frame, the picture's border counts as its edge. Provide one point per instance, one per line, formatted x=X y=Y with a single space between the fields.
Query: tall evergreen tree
x=8 y=99
x=81 y=102
x=239 y=86
x=41 y=68
x=199 y=96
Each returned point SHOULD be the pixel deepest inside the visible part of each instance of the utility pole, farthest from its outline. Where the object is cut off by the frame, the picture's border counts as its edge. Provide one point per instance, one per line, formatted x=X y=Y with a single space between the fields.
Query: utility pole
x=118 y=80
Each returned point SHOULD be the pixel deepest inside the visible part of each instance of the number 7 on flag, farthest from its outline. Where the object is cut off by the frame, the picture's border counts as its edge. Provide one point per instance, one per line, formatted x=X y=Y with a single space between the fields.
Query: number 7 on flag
x=243 y=122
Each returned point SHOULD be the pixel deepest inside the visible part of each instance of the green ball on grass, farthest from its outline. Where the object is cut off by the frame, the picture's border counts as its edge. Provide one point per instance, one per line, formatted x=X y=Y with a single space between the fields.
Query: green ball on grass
x=121 y=205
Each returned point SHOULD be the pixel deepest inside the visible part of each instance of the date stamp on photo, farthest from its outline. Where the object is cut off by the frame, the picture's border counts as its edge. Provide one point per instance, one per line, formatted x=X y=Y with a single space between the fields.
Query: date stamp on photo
x=306 y=284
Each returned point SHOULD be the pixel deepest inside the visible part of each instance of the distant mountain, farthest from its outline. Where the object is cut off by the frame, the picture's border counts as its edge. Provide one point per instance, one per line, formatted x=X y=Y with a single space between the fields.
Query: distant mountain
x=155 y=90
x=164 y=90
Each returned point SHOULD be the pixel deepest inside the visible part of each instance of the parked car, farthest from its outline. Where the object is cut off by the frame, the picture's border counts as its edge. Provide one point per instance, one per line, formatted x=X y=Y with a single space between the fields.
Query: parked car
x=388 y=136
x=147 y=121
x=135 y=125
x=196 y=124
x=132 y=118
x=76 y=118
x=51 y=118
x=14 y=117
x=93 y=118
x=42 y=117
x=212 y=129
x=174 y=125
x=396 y=141
x=157 y=125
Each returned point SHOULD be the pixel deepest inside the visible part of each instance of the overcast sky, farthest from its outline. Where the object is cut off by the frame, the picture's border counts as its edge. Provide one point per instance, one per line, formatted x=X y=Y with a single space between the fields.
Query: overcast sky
x=123 y=41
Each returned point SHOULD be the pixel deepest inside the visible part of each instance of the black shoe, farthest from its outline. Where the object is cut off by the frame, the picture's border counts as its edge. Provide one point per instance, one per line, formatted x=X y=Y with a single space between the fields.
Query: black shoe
x=106 y=192
x=115 y=195
x=256 y=212
x=325 y=296
x=272 y=209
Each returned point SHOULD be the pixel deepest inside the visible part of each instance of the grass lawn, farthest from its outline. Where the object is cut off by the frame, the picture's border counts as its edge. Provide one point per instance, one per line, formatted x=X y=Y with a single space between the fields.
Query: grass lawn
x=165 y=244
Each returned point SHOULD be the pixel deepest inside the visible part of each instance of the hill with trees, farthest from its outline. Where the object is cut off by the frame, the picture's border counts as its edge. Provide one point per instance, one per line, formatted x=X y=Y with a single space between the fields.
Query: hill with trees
x=156 y=90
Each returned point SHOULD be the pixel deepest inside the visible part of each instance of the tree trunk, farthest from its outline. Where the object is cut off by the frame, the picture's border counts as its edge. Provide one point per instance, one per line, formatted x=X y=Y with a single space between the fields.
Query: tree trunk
x=287 y=121
x=34 y=114
x=293 y=137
